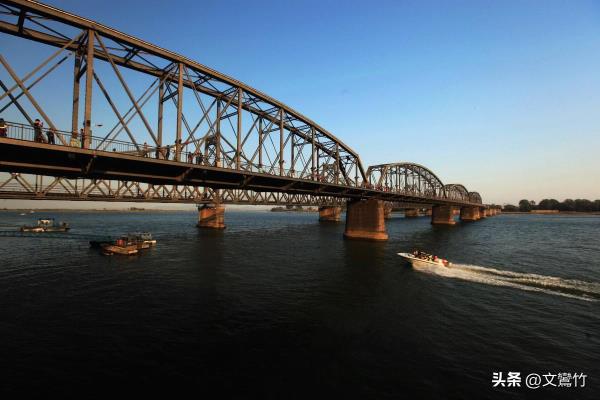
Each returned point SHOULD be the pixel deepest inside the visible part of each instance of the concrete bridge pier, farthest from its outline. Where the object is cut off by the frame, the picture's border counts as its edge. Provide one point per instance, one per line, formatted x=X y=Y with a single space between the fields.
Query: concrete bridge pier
x=365 y=219
x=330 y=213
x=411 y=213
x=483 y=213
x=211 y=216
x=469 y=213
x=442 y=215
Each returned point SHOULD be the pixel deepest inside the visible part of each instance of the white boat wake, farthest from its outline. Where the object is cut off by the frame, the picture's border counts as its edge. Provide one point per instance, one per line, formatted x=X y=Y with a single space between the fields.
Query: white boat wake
x=573 y=288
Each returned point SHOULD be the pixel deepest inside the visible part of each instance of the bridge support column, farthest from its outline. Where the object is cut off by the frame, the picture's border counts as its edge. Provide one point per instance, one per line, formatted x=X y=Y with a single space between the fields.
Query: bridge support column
x=365 y=219
x=442 y=215
x=428 y=212
x=469 y=213
x=411 y=213
x=211 y=216
x=483 y=213
x=330 y=213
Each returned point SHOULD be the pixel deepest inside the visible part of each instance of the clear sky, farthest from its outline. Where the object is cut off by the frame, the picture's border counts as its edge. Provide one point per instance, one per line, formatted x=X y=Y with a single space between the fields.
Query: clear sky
x=502 y=96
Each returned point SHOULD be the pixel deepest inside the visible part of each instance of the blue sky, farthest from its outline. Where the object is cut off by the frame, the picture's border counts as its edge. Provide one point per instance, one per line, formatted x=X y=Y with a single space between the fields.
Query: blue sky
x=503 y=97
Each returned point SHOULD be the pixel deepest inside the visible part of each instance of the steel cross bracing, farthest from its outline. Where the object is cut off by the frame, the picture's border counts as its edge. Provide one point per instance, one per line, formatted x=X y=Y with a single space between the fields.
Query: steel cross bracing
x=189 y=126
x=39 y=187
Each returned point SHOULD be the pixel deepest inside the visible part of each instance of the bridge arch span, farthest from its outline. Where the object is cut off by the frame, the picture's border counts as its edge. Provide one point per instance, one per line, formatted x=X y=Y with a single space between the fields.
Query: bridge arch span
x=456 y=191
x=475 y=197
x=407 y=178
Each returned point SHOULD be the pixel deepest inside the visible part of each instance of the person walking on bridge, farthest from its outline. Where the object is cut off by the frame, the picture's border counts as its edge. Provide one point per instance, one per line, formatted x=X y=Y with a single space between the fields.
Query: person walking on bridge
x=82 y=134
x=50 y=135
x=37 y=131
x=74 y=139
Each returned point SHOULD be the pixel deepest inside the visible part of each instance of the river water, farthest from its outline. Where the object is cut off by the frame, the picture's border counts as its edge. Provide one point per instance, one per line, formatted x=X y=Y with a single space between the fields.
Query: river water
x=280 y=306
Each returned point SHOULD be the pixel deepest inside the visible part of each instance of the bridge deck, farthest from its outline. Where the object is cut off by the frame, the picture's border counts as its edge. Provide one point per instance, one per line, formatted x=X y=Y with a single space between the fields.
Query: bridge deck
x=56 y=160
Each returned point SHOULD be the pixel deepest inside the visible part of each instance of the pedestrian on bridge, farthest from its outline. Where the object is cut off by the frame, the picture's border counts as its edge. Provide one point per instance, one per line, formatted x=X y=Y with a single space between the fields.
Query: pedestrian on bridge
x=74 y=140
x=82 y=131
x=168 y=153
x=3 y=128
x=37 y=131
x=50 y=135
x=146 y=150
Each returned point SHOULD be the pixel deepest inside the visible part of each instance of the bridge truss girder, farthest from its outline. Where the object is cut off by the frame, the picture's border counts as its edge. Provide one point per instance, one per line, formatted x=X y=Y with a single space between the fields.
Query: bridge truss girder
x=222 y=122
x=40 y=187
x=248 y=129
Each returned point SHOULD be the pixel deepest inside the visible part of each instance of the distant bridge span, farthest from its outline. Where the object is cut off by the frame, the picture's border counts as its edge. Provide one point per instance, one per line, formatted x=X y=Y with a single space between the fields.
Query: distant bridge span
x=186 y=126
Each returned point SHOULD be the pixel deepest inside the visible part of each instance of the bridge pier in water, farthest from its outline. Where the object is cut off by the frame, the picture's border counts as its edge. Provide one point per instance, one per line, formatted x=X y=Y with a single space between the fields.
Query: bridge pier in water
x=411 y=213
x=211 y=216
x=330 y=213
x=442 y=215
x=469 y=213
x=483 y=213
x=365 y=219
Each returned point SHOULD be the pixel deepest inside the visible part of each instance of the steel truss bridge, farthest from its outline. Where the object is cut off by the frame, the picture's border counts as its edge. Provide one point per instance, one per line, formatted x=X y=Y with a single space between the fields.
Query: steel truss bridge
x=183 y=132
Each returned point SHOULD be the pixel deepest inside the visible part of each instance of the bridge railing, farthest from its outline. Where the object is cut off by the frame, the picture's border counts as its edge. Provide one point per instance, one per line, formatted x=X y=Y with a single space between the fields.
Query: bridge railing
x=27 y=132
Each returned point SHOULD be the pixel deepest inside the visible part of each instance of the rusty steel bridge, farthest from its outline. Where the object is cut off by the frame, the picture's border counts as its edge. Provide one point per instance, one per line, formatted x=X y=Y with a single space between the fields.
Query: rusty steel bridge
x=183 y=133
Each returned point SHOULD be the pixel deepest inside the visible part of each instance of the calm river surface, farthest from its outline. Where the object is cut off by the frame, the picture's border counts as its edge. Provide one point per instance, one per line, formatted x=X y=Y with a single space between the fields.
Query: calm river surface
x=280 y=306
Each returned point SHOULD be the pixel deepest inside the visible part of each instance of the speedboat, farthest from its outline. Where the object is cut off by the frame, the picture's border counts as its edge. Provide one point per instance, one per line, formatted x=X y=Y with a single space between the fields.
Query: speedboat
x=420 y=259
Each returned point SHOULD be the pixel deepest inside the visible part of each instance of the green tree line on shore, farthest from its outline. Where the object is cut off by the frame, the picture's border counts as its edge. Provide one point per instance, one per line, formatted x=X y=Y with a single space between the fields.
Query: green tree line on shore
x=580 y=205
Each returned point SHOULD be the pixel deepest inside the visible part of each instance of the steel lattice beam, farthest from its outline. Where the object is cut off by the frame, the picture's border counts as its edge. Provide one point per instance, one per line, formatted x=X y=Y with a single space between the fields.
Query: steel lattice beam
x=240 y=143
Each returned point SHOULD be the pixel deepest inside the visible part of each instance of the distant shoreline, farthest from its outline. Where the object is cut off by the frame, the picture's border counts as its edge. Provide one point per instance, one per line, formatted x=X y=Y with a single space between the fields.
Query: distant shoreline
x=571 y=213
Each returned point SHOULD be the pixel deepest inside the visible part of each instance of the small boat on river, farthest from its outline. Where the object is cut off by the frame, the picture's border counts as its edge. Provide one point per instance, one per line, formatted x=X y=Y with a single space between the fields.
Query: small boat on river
x=46 y=225
x=143 y=240
x=125 y=245
x=118 y=248
x=419 y=258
